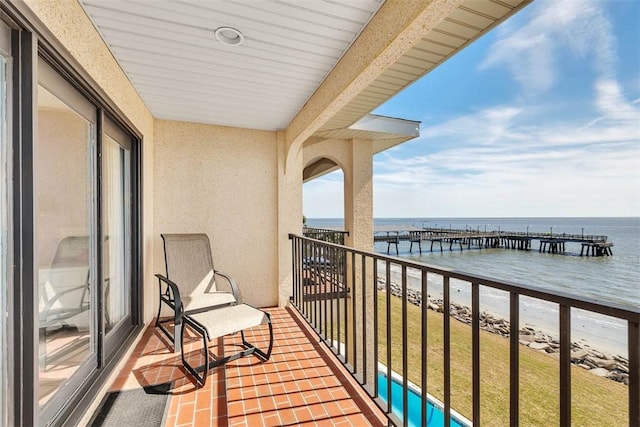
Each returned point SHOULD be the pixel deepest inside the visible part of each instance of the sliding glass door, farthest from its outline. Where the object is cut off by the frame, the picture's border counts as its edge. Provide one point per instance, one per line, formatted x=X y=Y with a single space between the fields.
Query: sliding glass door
x=116 y=229
x=65 y=233
x=83 y=212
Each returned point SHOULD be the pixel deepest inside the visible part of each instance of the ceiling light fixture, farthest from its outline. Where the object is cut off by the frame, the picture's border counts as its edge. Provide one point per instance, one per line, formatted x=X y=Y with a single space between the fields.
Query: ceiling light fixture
x=229 y=36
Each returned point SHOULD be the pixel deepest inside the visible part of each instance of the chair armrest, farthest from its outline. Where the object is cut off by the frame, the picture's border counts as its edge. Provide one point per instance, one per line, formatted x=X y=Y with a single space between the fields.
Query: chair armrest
x=234 y=286
x=60 y=294
x=177 y=301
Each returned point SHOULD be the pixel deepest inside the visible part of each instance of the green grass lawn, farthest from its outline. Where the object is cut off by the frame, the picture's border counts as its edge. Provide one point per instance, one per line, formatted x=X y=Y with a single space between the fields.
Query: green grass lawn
x=595 y=401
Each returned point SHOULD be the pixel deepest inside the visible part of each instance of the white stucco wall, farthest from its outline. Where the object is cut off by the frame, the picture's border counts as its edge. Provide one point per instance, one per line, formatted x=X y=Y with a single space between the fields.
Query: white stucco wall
x=289 y=213
x=221 y=181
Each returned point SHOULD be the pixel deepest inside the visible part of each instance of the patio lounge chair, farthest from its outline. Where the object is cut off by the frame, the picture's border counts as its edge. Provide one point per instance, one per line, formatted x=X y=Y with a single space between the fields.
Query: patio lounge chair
x=63 y=288
x=191 y=291
x=190 y=285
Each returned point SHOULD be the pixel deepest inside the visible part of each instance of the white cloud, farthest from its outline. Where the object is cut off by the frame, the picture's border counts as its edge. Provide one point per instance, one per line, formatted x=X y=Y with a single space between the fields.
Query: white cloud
x=611 y=102
x=534 y=168
x=531 y=51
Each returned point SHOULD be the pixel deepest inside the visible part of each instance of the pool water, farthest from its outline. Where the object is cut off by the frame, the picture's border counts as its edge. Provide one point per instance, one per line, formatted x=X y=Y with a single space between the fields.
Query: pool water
x=435 y=414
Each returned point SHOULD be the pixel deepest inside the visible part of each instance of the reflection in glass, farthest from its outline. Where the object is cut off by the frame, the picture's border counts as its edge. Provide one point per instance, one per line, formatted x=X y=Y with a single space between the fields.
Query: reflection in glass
x=116 y=256
x=63 y=209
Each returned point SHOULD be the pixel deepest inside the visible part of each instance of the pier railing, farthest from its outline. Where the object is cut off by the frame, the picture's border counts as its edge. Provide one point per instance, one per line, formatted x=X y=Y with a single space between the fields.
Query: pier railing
x=357 y=326
x=428 y=233
x=326 y=235
x=596 y=245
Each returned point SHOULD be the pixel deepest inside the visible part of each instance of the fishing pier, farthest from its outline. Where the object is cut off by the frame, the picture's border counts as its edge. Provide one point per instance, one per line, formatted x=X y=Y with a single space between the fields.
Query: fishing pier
x=549 y=242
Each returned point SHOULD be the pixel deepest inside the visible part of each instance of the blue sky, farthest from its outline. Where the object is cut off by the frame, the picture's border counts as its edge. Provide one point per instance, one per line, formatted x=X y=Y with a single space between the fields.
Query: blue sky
x=540 y=117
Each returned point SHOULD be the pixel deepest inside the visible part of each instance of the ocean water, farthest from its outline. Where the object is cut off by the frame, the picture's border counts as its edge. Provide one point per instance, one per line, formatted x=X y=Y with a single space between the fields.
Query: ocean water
x=613 y=279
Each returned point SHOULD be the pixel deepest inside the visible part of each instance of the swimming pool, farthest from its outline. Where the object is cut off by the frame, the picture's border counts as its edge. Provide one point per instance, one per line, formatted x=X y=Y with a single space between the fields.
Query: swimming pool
x=435 y=413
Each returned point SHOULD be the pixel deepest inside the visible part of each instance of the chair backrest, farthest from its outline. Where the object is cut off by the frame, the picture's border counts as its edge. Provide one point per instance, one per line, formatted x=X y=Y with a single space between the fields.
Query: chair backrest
x=189 y=262
x=72 y=251
x=64 y=285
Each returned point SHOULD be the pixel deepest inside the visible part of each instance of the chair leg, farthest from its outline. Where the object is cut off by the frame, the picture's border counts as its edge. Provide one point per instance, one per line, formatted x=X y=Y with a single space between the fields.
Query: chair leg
x=159 y=310
x=264 y=356
x=200 y=379
x=178 y=331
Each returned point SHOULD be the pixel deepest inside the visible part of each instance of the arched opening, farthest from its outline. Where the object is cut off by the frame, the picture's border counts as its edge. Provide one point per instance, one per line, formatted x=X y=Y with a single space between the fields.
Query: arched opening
x=323 y=194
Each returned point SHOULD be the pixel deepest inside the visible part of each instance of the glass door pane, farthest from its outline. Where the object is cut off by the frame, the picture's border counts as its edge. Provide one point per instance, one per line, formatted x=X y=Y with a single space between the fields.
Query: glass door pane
x=116 y=214
x=64 y=197
x=5 y=46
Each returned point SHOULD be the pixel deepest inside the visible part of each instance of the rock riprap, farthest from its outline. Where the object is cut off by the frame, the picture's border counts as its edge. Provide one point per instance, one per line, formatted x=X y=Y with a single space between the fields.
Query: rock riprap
x=601 y=364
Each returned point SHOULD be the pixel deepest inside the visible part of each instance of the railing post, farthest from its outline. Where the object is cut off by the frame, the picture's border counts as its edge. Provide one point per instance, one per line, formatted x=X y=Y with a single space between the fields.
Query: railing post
x=316 y=284
x=301 y=274
x=565 y=365
x=342 y=281
x=305 y=291
x=475 y=343
x=363 y=295
x=423 y=348
x=633 y=332
x=514 y=359
x=405 y=351
x=354 y=320
x=346 y=308
x=447 y=351
x=375 y=328
x=388 y=337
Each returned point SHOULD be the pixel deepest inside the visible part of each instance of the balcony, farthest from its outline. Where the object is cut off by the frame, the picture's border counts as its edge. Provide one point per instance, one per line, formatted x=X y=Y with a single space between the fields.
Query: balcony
x=346 y=344
x=301 y=383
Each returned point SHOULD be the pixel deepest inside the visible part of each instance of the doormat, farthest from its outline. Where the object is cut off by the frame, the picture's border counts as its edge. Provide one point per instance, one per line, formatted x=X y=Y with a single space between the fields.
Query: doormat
x=140 y=407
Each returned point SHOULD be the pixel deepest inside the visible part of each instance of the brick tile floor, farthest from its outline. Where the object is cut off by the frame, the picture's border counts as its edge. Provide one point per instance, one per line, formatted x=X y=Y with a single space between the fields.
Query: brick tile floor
x=301 y=384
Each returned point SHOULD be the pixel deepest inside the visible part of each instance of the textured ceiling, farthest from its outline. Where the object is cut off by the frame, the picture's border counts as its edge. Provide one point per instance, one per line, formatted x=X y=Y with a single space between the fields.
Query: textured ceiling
x=169 y=52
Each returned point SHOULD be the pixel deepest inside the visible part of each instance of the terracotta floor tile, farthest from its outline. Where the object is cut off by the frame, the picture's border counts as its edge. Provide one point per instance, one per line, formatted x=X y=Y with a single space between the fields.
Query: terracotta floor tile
x=235 y=408
x=311 y=398
x=185 y=414
x=237 y=421
x=267 y=404
x=251 y=406
x=254 y=419
x=318 y=411
x=287 y=416
x=300 y=385
x=303 y=414
x=202 y=418
x=203 y=400
x=234 y=394
x=333 y=409
x=271 y=420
